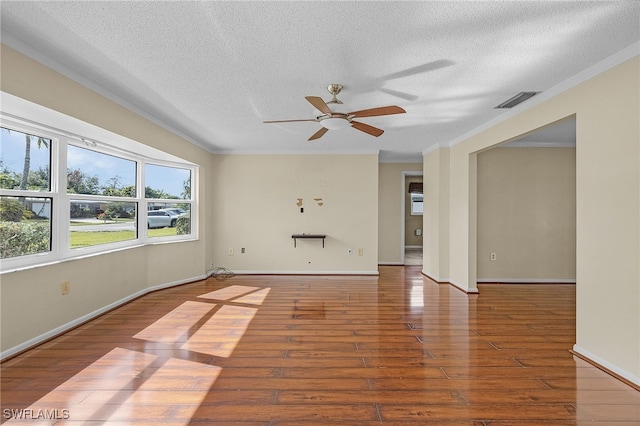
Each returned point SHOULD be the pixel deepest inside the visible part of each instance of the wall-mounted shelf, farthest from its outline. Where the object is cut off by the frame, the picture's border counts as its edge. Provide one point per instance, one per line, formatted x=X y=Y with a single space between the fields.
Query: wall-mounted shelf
x=316 y=236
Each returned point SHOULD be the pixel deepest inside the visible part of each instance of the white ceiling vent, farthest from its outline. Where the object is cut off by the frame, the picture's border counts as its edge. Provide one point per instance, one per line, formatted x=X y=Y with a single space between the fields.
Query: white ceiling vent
x=517 y=99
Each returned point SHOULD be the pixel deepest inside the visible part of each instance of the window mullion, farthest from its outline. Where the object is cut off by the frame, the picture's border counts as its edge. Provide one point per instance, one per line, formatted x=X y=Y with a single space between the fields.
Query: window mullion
x=141 y=218
x=61 y=201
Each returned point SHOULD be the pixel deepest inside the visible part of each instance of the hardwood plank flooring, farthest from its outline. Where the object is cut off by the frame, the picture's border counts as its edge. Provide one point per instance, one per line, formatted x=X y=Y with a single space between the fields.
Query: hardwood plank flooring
x=397 y=349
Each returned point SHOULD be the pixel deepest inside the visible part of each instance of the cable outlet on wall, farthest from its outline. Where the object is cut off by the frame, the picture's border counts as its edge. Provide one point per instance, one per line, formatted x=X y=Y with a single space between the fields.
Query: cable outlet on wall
x=65 y=288
x=349 y=251
x=492 y=257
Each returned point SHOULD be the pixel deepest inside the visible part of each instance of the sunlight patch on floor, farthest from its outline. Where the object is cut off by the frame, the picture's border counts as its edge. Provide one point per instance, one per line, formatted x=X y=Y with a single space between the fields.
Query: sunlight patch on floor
x=171 y=327
x=229 y=293
x=126 y=385
x=255 y=298
x=221 y=333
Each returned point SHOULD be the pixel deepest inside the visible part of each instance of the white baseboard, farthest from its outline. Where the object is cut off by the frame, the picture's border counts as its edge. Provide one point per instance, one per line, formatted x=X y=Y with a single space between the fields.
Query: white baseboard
x=270 y=272
x=91 y=315
x=394 y=263
x=606 y=364
x=434 y=277
x=527 y=280
x=466 y=290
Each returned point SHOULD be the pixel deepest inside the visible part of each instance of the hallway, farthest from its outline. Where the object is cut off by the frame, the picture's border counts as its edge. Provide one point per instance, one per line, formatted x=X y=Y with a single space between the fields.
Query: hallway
x=413 y=256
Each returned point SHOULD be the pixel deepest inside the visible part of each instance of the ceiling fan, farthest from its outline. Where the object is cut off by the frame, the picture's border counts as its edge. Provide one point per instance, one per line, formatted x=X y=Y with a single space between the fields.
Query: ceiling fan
x=333 y=118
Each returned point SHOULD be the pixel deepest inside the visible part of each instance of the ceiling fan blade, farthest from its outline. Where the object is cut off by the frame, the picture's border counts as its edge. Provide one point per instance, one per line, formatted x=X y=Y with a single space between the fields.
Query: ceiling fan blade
x=318 y=134
x=289 y=121
x=319 y=104
x=372 y=112
x=373 y=131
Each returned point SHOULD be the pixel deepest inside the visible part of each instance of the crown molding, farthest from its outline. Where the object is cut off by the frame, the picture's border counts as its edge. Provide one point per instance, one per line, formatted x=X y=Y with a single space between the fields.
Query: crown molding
x=612 y=61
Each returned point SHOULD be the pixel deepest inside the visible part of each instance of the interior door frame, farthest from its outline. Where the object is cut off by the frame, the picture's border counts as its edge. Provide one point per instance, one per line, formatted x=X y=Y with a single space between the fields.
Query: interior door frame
x=403 y=187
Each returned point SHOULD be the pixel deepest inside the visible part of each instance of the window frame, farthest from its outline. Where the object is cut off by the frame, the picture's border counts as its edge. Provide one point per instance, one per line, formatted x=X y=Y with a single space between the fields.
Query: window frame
x=52 y=193
x=61 y=249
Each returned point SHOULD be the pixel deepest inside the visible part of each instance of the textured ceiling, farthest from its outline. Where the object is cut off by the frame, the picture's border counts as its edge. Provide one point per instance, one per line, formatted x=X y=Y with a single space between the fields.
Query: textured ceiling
x=213 y=71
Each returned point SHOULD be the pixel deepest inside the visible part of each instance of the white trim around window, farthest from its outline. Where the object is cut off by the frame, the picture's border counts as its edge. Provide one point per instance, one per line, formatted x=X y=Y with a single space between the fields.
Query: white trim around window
x=64 y=131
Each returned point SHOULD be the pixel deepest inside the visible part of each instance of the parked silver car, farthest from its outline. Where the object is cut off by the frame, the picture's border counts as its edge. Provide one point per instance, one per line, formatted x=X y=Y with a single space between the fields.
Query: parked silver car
x=161 y=218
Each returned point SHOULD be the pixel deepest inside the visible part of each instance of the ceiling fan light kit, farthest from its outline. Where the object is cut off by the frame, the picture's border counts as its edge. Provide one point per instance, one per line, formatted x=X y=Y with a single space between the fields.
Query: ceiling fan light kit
x=335 y=119
x=334 y=122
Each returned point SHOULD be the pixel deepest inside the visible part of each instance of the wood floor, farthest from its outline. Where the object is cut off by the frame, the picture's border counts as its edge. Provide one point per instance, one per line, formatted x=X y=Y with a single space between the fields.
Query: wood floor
x=396 y=349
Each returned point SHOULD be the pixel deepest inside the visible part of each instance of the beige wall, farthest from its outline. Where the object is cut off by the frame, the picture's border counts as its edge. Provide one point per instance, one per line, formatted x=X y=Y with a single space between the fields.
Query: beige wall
x=255 y=207
x=391 y=197
x=527 y=215
x=607 y=114
x=436 y=187
x=31 y=303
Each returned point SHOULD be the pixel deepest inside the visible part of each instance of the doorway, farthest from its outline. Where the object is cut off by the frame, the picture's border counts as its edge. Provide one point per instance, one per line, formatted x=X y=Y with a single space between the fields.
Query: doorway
x=413 y=224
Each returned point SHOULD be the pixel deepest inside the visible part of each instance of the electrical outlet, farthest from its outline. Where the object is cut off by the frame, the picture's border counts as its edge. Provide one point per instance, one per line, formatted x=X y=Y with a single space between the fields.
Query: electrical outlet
x=492 y=257
x=65 y=288
x=230 y=252
x=360 y=252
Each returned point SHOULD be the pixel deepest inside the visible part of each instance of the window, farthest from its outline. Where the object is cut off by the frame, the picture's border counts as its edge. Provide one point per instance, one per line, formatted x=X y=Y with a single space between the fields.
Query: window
x=102 y=185
x=63 y=195
x=25 y=161
x=164 y=186
x=25 y=215
x=167 y=182
x=417 y=205
x=95 y=173
x=25 y=226
x=94 y=222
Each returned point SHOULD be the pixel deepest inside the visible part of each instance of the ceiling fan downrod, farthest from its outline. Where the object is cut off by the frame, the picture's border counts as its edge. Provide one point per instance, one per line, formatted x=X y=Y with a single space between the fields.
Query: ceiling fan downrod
x=334 y=89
